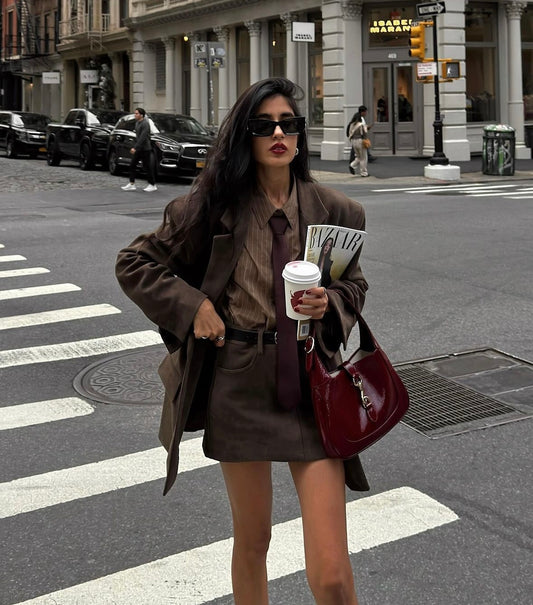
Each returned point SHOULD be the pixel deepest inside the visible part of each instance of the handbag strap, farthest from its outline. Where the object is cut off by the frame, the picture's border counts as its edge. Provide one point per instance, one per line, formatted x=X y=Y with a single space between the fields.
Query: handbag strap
x=366 y=338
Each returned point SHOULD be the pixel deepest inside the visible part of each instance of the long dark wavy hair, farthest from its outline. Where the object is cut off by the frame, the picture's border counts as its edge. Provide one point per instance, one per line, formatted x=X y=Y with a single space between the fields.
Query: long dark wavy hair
x=230 y=171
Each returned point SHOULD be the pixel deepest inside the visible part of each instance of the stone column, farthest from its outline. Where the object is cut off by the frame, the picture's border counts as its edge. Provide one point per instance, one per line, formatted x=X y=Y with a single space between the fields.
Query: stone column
x=196 y=102
x=292 y=49
x=223 y=75
x=117 y=71
x=170 y=72
x=137 y=71
x=335 y=62
x=514 y=11
x=254 y=29
x=68 y=90
x=352 y=11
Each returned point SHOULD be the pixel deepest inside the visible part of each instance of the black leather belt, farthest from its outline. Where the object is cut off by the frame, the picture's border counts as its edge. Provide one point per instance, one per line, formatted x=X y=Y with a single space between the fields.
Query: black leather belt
x=251 y=336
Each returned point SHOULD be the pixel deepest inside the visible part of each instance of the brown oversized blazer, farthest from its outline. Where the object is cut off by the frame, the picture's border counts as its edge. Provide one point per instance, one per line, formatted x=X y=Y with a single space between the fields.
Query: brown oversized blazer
x=169 y=283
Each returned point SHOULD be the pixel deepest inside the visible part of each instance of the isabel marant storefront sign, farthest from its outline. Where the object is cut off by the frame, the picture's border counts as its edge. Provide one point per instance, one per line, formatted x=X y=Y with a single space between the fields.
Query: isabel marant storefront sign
x=390 y=26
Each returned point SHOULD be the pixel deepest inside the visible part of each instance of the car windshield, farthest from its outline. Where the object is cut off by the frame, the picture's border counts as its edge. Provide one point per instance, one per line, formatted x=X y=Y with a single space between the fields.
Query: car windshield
x=177 y=124
x=92 y=120
x=32 y=120
x=109 y=117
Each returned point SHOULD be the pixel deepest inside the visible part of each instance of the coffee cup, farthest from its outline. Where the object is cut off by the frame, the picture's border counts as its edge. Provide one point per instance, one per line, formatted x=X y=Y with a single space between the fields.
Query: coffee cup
x=299 y=276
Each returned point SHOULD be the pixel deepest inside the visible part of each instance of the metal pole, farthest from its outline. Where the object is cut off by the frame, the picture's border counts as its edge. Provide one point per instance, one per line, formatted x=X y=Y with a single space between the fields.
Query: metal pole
x=210 y=95
x=438 y=156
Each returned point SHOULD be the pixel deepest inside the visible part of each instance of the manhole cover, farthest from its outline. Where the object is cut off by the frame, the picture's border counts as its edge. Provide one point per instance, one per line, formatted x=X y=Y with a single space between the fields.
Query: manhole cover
x=125 y=378
x=441 y=406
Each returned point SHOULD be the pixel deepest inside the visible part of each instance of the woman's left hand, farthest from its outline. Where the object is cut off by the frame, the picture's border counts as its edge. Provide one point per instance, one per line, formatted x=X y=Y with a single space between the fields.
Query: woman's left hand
x=314 y=303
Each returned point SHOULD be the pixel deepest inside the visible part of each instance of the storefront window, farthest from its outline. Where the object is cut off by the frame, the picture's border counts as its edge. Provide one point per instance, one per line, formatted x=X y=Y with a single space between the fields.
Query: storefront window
x=480 y=24
x=278 y=47
x=527 y=63
x=389 y=26
x=316 y=75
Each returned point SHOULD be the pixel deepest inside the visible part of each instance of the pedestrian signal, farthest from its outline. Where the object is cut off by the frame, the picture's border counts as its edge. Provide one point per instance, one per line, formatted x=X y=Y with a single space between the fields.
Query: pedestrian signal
x=417 y=41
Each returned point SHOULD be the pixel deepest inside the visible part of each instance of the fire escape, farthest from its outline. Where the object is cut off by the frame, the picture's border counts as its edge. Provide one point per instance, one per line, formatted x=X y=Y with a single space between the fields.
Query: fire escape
x=23 y=45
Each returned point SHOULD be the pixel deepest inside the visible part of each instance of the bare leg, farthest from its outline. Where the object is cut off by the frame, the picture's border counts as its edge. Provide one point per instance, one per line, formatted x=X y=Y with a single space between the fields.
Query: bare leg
x=249 y=487
x=320 y=487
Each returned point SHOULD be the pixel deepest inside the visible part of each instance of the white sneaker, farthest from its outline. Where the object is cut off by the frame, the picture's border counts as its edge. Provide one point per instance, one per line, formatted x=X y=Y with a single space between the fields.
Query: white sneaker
x=150 y=188
x=128 y=187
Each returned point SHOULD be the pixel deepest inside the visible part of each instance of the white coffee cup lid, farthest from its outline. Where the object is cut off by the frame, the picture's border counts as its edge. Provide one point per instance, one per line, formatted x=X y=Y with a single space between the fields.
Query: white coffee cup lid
x=301 y=271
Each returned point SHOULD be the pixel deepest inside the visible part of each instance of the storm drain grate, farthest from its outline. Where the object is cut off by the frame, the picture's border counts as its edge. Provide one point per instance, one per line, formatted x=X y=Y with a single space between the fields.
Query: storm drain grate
x=440 y=407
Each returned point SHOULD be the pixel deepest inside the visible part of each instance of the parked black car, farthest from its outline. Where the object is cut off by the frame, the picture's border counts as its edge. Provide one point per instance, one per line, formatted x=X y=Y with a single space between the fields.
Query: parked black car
x=180 y=144
x=23 y=132
x=83 y=136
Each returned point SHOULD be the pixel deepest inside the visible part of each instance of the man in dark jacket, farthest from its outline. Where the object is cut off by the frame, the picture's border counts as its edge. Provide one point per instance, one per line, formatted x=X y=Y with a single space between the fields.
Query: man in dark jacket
x=142 y=151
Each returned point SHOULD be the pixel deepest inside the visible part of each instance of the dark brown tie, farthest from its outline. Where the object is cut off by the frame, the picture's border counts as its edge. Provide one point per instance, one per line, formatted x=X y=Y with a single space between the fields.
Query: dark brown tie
x=287 y=371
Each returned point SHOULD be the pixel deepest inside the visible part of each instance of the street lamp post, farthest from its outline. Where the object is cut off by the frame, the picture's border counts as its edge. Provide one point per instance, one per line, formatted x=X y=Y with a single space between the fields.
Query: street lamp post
x=439 y=157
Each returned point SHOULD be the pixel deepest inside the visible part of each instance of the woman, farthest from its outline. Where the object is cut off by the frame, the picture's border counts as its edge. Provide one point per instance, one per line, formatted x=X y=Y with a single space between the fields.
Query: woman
x=357 y=131
x=205 y=278
x=325 y=261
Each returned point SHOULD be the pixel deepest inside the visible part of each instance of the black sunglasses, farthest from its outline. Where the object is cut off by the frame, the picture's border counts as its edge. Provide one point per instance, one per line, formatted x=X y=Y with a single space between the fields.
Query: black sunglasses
x=259 y=127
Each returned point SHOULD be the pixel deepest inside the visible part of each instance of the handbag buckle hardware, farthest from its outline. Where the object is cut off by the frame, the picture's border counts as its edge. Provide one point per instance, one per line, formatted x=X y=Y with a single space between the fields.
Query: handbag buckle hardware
x=276 y=337
x=309 y=345
x=365 y=401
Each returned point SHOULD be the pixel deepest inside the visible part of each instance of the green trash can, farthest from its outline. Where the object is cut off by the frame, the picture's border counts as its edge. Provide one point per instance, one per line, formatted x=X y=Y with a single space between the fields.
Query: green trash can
x=498 y=150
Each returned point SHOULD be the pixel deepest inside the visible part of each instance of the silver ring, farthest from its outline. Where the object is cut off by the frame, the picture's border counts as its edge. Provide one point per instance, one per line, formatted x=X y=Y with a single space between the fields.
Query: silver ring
x=220 y=338
x=204 y=337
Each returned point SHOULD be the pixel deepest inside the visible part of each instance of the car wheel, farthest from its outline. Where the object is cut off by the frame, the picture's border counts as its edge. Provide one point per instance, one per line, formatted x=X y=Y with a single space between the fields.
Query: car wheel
x=86 y=161
x=112 y=161
x=53 y=157
x=11 y=148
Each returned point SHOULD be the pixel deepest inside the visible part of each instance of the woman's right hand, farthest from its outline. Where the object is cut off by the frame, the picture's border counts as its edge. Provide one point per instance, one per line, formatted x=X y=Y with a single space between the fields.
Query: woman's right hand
x=208 y=324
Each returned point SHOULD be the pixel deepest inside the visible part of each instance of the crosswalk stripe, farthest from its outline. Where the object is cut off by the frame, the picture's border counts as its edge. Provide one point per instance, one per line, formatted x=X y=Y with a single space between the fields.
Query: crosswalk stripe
x=80 y=348
x=39 y=412
x=60 y=315
x=424 y=188
x=202 y=574
x=49 y=489
x=37 y=291
x=24 y=272
x=11 y=257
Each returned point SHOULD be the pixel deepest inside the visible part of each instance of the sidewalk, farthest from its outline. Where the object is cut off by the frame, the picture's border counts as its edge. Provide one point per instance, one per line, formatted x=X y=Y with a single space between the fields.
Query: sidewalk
x=410 y=170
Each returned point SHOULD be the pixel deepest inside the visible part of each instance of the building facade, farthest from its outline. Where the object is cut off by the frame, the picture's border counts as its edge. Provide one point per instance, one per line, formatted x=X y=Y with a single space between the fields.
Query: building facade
x=196 y=56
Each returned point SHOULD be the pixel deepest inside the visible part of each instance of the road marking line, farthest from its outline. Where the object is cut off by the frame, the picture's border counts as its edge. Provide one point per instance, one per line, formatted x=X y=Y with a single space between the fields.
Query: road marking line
x=202 y=574
x=24 y=272
x=49 y=489
x=39 y=412
x=12 y=257
x=37 y=291
x=81 y=348
x=47 y=317
x=444 y=187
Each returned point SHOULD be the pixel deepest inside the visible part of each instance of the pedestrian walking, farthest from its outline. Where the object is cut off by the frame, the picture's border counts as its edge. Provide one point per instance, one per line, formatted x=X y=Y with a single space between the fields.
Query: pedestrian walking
x=142 y=151
x=208 y=276
x=357 y=132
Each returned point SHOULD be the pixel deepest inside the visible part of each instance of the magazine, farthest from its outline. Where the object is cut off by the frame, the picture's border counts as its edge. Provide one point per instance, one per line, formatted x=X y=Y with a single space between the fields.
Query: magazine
x=331 y=248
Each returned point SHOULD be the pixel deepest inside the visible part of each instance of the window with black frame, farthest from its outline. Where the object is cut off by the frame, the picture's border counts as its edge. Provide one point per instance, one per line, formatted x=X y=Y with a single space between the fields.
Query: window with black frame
x=316 y=73
x=481 y=57
x=527 y=63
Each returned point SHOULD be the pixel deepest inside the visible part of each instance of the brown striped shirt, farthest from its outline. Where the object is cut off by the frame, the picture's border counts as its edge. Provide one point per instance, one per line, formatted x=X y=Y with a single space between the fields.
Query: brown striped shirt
x=249 y=302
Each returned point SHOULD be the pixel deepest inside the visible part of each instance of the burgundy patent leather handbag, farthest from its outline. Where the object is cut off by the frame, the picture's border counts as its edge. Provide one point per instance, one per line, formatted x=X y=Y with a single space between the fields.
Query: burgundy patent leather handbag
x=360 y=401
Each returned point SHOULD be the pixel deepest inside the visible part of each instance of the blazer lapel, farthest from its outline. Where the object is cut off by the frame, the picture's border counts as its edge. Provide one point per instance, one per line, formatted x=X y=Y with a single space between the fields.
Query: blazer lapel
x=225 y=252
x=312 y=210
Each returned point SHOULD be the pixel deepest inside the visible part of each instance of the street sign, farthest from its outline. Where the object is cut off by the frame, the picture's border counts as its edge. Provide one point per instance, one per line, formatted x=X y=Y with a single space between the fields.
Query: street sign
x=430 y=8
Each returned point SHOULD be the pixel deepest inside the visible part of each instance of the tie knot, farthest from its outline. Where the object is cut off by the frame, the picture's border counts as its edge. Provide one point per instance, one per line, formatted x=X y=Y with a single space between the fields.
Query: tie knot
x=278 y=223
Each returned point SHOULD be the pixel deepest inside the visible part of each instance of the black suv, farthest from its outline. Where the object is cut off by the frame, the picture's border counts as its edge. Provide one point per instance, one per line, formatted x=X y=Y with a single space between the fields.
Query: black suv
x=180 y=144
x=23 y=132
x=83 y=136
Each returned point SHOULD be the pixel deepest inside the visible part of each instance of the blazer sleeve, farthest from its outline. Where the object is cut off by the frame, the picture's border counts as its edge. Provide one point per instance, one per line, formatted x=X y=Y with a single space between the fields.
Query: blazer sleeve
x=161 y=290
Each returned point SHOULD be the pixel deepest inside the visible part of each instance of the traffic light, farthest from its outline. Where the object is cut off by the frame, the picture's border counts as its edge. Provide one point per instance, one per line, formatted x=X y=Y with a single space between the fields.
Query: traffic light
x=417 y=41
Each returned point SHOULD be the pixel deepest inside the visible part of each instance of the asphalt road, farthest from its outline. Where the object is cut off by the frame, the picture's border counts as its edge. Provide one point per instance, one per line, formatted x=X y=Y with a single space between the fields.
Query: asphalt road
x=447 y=521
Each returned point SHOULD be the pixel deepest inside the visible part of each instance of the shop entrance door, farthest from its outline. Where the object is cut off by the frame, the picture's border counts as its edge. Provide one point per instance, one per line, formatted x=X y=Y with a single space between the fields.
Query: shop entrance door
x=394 y=102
